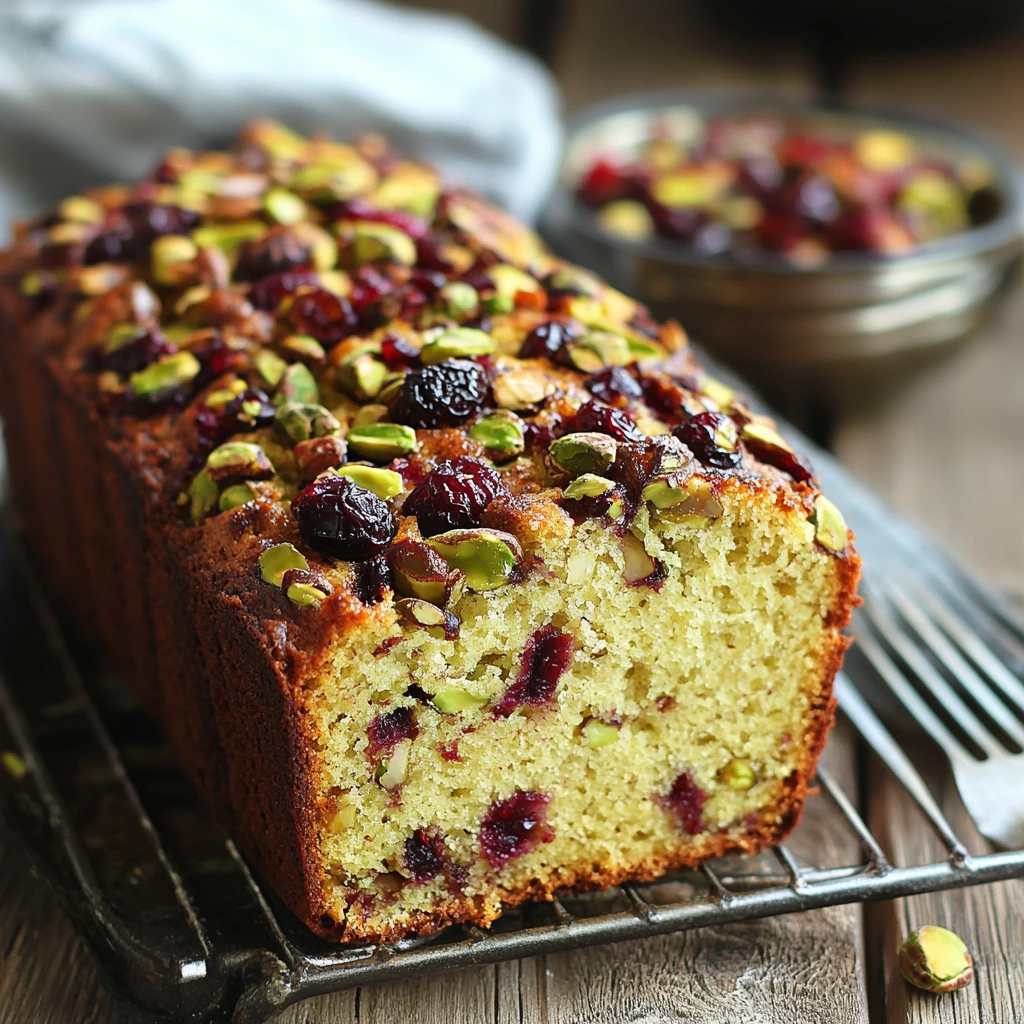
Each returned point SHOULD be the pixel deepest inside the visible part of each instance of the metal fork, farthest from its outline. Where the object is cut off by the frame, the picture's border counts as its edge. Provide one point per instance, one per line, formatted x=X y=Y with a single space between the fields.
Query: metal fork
x=965 y=652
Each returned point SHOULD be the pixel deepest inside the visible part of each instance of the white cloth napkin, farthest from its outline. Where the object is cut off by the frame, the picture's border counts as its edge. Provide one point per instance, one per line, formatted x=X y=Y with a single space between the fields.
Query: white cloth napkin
x=95 y=92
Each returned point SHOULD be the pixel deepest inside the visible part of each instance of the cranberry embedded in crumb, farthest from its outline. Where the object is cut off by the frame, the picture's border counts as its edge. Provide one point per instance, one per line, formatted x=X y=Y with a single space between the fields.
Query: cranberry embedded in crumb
x=454 y=496
x=136 y=354
x=443 y=395
x=277 y=253
x=425 y=855
x=398 y=352
x=614 y=386
x=514 y=826
x=548 y=339
x=686 y=800
x=547 y=656
x=322 y=315
x=698 y=434
x=268 y=292
x=596 y=417
x=386 y=731
x=341 y=519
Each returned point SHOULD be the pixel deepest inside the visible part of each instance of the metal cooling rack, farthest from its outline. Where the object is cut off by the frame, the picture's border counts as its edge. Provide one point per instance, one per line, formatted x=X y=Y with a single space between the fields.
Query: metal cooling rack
x=185 y=929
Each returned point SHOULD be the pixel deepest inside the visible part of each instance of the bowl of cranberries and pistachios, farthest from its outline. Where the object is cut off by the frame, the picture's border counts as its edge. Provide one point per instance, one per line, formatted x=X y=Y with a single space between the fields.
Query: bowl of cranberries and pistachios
x=786 y=235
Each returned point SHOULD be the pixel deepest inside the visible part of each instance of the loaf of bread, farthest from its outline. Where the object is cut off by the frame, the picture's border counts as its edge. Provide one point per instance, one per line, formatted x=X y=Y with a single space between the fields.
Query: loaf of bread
x=450 y=575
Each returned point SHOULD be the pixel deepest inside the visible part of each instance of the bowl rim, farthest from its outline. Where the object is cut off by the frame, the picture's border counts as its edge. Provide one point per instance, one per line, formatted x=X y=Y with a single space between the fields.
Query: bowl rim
x=1006 y=230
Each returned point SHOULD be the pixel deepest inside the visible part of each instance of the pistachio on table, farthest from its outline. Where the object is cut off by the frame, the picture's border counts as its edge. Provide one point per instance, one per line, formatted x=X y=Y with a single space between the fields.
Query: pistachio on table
x=381 y=442
x=936 y=960
x=583 y=452
x=488 y=558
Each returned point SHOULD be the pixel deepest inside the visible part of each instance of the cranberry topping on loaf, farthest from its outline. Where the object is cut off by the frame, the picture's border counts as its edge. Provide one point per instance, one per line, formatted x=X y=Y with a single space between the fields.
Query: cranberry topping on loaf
x=452 y=577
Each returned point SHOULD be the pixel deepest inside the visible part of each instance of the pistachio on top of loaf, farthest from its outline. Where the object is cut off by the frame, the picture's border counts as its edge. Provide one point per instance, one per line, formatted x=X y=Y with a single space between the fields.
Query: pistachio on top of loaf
x=404 y=372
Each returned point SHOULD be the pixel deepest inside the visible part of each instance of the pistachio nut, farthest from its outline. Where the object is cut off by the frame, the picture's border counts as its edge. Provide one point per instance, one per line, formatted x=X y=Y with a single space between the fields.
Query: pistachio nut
x=362 y=377
x=81 y=210
x=202 y=496
x=319 y=454
x=765 y=435
x=234 y=496
x=639 y=564
x=598 y=349
x=164 y=377
x=238 y=460
x=409 y=187
x=301 y=422
x=459 y=343
x=644 y=348
x=509 y=281
x=285 y=207
x=737 y=774
x=599 y=734
x=68 y=233
x=344 y=818
x=498 y=305
x=335 y=281
x=588 y=486
x=385 y=483
x=276 y=561
x=688 y=188
x=304 y=594
x=372 y=413
x=98 y=279
x=626 y=218
x=304 y=347
x=570 y=278
x=172 y=260
x=454 y=700
x=691 y=498
x=322 y=247
x=458 y=300
x=522 y=388
x=374 y=241
x=829 y=525
x=936 y=959
x=339 y=179
x=501 y=433
x=228 y=237
x=426 y=615
x=488 y=558
x=297 y=384
x=721 y=394
x=583 y=452
x=393 y=771
x=419 y=571
x=381 y=442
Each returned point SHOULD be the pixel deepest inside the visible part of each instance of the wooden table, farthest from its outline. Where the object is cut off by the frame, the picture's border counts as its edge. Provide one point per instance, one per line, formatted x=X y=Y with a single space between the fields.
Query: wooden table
x=946 y=451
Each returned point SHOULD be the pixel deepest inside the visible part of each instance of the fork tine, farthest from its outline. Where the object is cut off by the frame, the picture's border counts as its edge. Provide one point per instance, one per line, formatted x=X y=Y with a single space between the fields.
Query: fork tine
x=975 y=647
x=908 y=696
x=904 y=645
x=956 y=663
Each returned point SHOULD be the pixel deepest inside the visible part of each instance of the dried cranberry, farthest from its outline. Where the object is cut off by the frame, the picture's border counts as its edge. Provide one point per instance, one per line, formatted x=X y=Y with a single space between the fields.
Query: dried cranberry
x=686 y=800
x=781 y=458
x=780 y=231
x=360 y=209
x=386 y=731
x=514 y=826
x=277 y=253
x=547 y=656
x=603 y=182
x=398 y=352
x=430 y=257
x=614 y=385
x=136 y=354
x=268 y=292
x=595 y=417
x=425 y=855
x=372 y=581
x=344 y=520
x=322 y=315
x=679 y=223
x=217 y=358
x=548 y=339
x=537 y=437
x=639 y=462
x=248 y=411
x=109 y=246
x=430 y=282
x=138 y=224
x=698 y=434
x=454 y=496
x=443 y=395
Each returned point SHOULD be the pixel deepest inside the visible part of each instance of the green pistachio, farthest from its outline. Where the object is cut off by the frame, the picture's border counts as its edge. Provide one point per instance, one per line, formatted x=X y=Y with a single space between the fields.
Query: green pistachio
x=692 y=500
x=202 y=180
x=719 y=393
x=238 y=460
x=452 y=701
x=737 y=775
x=305 y=594
x=419 y=571
x=522 y=388
x=498 y=305
x=598 y=349
x=232 y=497
x=501 y=433
x=599 y=734
x=323 y=248
x=305 y=347
x=488 y=558
x=458 y=300
x=936 y=959
x=120 y=335
x=509 y=281
x=372 y=413
x=276 y=561
x=575 y=279
x=335 y=179
x=81 y=210
x=588 y=486
x=202 y=496
x=666 y=491
x=166 y=375
x=639 y=564
x=374 y=241
x=381 y=442
x=762 y=434
x=270 y=366
x=829 y=525
x=297 y=384
x=726 y=435
x=627 y=218
x=424 y=614
x=385 y=483
x=581 y=453
x=284 y=206
x=228 y=237
x=301 y=422
x=172 y=259
x=362 y=377
x=643 y=348
x=460 y=343
x=394 y=770
x=408 y=187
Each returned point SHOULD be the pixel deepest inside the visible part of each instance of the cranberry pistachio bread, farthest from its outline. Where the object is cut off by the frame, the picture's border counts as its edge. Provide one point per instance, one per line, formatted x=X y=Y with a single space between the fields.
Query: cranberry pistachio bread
x=451 y=576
